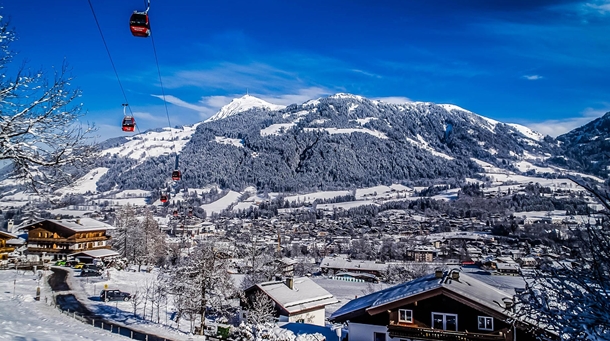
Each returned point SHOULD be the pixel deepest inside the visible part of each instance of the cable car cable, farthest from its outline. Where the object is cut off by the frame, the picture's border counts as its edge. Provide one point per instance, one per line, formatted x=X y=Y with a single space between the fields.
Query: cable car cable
x=111 y=60
x=176 y=168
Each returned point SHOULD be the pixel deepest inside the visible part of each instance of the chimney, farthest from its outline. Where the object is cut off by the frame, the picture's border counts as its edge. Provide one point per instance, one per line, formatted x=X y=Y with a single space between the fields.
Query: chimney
x=438 y=273
x=455 y=275
x=290 y=282
x=11 y=225
x=508 y=303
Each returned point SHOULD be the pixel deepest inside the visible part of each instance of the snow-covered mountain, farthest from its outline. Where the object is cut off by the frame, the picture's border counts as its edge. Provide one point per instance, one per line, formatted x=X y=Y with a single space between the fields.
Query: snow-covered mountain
x=337 y=142
x=242 y=104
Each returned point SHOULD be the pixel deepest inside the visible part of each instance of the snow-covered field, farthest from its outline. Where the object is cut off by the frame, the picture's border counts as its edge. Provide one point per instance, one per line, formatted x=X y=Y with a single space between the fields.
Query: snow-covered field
x=23 y=318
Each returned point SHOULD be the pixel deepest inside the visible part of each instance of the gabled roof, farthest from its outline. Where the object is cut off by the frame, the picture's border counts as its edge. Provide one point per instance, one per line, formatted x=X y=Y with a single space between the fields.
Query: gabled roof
x=470 y=289
x=305 y=295
x=100 y=253
x=8 y=235
x=77 y=225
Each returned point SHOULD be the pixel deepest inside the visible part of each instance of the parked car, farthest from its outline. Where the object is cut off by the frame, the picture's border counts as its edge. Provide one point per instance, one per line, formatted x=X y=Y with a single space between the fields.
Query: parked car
x=79 y=265
x=90 y=273
x=60 y=263
x=114 y=295
x=93 y=267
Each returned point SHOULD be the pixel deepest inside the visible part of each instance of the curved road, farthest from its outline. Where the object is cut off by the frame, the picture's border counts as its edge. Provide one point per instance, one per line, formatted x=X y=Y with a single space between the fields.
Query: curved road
x=68 y=302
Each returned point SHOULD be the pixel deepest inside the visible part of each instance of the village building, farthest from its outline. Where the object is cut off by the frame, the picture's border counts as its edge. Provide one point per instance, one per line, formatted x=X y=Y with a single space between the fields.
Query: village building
x=63 y=237
x=446 y=305
x=5 y=246
x=342 y=263
x=297 y=299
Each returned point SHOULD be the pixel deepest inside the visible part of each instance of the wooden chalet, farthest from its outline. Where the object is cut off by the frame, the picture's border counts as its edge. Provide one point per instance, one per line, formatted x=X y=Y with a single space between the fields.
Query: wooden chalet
x=4 y=248
x=64 y=237
x=446 y=305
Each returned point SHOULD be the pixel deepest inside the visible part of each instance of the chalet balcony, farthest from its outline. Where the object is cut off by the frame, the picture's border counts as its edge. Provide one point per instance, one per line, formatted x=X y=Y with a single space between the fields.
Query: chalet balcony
x=419 y=333
x=64 y=250
x=68 y=240
x=6 y=249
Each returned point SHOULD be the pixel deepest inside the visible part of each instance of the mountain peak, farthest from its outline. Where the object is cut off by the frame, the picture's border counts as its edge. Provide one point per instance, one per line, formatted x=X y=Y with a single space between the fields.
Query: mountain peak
x=242 y=104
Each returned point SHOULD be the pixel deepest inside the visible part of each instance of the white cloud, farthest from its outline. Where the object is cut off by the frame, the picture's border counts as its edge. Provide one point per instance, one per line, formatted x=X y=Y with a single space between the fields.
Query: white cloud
x=533 y=77
x=210 y=105
x=302 y=96
x=602 y=7
x=562 y=126
x=177 y=101
x=394 y=99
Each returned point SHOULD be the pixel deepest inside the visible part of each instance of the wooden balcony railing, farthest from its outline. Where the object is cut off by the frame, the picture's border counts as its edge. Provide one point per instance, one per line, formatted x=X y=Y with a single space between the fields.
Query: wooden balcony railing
x=65 y=251
x=6 y=249
x=68 y=240
x=401 y=331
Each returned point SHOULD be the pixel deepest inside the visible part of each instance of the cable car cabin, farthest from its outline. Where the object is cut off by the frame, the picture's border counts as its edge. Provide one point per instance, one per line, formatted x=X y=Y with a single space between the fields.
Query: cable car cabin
x=163 y=198
x=176 y=175
x=190 y=212
x=129 y=123
x=139 y=24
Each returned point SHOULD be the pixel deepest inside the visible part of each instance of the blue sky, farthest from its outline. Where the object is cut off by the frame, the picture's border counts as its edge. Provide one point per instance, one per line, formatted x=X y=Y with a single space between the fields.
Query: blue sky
x=541 y=63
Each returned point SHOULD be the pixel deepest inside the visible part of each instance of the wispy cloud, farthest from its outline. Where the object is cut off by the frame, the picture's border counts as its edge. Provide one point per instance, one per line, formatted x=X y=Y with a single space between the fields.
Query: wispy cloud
x=533 y=77
x=562 y=126
x=209 y=105
x=601 y=7
x=394 y=99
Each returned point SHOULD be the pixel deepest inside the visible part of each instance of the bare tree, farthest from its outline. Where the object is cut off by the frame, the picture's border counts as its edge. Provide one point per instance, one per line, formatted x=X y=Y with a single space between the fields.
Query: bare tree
x=572 y=299
x=201 y=282
x=39 y=126
x=261 y=309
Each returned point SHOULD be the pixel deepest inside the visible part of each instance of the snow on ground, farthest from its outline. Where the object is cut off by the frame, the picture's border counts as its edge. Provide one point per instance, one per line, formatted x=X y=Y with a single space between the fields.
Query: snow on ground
x=23 y=318
x=423 y=144
x=242 y=104
x=222 y=203
x=525 y=166
x=534 y=135
x=345 y=205
x=154 y=143
x=88 y=183
x=277 y=129
x=88 y=289
x=311 y=197
x=345 y=291
x=332 y=131
x=226 y=140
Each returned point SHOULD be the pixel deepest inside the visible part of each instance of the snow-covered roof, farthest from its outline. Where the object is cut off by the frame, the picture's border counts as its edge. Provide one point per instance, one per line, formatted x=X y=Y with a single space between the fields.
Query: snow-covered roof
x=100 y=253
x=466 y=286
x=82 y=224
x=7 y=235
x=343 y=262
x=305 y=295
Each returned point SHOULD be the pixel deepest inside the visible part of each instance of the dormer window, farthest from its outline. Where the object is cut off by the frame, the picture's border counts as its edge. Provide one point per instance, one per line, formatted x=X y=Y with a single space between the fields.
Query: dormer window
x=405 y=315
x=486 y=323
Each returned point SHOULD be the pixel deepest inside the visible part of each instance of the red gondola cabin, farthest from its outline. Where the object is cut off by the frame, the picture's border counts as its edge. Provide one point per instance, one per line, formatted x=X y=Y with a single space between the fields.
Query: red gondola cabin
x=176 y=175
x=163 y=198
x=129 y=123
x=139 y=24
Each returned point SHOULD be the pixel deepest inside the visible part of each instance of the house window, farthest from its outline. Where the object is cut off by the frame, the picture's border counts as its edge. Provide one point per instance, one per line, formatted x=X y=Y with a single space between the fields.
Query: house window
x=486 y=323
x=444 y=321
x=405 y=315
x=379 y=336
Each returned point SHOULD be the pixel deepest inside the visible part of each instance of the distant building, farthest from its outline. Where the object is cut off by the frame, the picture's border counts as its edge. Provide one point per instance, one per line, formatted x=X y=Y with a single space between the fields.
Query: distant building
x=63 y=237
x=342 y=263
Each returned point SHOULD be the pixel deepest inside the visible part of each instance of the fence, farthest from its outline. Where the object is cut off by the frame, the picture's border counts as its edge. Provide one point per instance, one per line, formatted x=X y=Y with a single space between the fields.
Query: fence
x=109 y=326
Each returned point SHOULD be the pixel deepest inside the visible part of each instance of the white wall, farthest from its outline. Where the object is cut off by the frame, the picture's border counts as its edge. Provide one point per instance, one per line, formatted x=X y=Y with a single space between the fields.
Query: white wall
x=313 y=317
x=365 y=332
